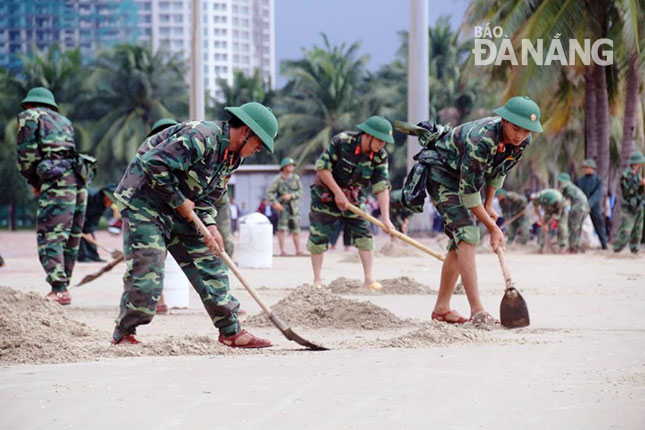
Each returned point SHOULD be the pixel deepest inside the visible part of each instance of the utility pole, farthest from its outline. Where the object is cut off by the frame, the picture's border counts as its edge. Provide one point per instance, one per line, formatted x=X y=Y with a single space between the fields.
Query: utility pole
x=418 y=89
x=196 y=64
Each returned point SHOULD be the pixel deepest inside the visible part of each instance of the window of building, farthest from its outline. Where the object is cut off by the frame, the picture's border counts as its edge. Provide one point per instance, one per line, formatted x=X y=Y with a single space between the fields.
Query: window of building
x=178 y=6
x=164 y=18
x=164 y=31
x=177 y=44
x=164 y=5
x=178 y=31
x=245 y=47
x=177 y=19
x=206 y=82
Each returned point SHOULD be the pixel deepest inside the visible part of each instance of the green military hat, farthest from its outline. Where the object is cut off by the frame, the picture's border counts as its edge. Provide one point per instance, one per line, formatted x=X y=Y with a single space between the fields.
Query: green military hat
x=378 y=127
x=564 y=177
x=500 y=192
x=549 y=196
x=637 y=158
x=260 y=119
x=40 y=95
x=523 y=112
x=589 y=162
x=287 y=161
x=162 y=124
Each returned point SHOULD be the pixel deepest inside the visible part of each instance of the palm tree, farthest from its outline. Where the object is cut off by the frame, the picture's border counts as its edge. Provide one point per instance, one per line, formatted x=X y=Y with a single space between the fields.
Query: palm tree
x=131 y=88
x=321 y=97
x=244 y=89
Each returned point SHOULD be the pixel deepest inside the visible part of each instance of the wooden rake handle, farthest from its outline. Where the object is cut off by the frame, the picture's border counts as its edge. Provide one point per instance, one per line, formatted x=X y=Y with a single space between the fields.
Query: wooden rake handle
x=395 y=233
x=231 y=265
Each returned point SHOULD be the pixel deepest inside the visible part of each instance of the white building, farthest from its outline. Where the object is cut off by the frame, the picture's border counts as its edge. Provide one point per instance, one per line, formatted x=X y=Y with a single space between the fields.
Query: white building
x=237 y=34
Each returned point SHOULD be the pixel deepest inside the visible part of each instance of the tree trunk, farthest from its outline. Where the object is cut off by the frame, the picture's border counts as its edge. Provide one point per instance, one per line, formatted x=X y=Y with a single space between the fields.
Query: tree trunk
x=602 y=124
x=591 y=141
x=630 y=121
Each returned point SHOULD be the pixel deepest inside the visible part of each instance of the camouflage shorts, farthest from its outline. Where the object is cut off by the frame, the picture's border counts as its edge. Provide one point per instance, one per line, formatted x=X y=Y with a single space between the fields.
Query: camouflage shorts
x=459 y=223
x=323 y=215
x=289 y=220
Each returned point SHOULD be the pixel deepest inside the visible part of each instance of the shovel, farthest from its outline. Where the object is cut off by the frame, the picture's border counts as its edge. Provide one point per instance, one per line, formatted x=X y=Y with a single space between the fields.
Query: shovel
x=513 y=311
x=106 y=268
x=397 y=234
x=281 y=325
x=114 y=253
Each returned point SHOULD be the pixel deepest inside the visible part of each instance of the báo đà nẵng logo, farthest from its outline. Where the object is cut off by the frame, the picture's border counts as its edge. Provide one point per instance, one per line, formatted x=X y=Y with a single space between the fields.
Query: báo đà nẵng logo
x=542 y=52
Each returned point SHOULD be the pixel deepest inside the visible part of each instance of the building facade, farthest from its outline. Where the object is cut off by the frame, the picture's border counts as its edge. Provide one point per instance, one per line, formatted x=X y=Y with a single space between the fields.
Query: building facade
x=236 y=34
x=27 y=26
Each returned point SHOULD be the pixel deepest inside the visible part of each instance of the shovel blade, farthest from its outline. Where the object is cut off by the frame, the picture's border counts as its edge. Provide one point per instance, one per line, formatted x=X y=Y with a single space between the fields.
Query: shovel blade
x=292 y=335
x=513 y=311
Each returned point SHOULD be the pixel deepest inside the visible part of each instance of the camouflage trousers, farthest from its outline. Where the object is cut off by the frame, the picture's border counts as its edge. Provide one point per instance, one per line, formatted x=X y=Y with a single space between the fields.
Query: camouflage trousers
x=223 y=220
x=518 y=229
x=322 y=217
x=289 y=220
x=577 y=217
x=145 y=245
x=459 y=223
x=561 y=216
x=61 y=213
x=631 y=229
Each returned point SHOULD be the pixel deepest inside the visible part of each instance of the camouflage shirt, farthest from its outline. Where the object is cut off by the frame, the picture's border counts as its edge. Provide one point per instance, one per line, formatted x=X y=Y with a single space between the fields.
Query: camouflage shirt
x=632 y=189
x=512 y=204
x=281 y=186
x=188 y=160
x=45 y=145
x=472 y=153
x=575 y=195
x=352 y=170
x=397 y=209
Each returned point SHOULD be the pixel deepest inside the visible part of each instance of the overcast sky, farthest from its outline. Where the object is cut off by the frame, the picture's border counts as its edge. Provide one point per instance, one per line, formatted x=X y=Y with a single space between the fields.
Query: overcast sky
x=375 y=23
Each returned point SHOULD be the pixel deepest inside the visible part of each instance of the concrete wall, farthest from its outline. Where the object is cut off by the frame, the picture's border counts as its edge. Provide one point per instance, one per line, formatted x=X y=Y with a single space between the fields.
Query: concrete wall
x=249 y=185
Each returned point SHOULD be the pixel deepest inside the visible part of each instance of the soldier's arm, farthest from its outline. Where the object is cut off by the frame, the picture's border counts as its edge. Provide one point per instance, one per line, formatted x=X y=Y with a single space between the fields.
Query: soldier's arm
x=176 y=153
x=272 y=191
x=296 y=194
x=206 y=209
x=27 y=149
x=381 y=176
x=474 y=164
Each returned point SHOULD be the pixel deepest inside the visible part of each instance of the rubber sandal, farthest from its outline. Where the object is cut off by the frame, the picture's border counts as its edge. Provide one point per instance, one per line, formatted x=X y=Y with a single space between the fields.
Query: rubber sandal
x=255 y=341
x=442 y=317
x=375 y=286
x=128 y=339
x=319 y=286
x=60 y=297
x=484 y=318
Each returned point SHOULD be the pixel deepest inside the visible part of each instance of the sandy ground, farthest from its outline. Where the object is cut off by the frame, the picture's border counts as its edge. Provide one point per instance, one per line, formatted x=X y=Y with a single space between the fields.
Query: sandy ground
x=581 y=363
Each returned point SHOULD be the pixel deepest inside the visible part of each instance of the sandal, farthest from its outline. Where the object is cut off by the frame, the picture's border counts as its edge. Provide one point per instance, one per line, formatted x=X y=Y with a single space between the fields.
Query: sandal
x=442 y=317
x=60 y=297
x=254 y=342
x=128 y=339
x=375 y=286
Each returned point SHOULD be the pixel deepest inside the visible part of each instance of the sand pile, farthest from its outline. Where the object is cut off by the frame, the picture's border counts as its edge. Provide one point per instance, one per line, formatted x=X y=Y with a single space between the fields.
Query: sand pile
x=402 y=285
x=435 y=333
x=313 y=307
x=33 y=330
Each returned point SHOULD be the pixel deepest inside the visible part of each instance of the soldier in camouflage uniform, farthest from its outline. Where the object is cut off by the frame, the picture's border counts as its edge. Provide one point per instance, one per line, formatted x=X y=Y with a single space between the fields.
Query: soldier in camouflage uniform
x=512 y=204
x=554 y=208
x=352 y=162
x=452 y=168
x=284 y=195
x=578 y=212
x=47 y=159
x=632 y=209
x=185 y=167
x=399 y=214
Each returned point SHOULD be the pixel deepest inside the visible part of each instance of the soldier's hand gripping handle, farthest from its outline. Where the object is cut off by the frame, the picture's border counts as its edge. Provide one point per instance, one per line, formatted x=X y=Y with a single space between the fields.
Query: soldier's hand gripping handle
x=186 y=209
